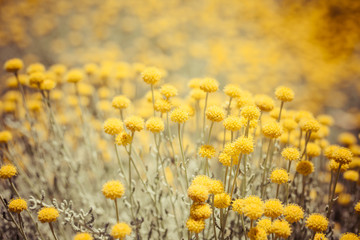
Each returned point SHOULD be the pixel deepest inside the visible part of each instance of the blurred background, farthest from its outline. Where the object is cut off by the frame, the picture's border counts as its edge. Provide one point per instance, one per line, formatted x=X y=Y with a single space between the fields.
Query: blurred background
x=311 y=46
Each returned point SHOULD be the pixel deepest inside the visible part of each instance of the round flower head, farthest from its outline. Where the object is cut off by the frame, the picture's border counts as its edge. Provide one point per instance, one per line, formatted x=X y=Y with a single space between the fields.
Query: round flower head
x=209 y=85
x=250 y=112
x=238 y=205
x=198 y=193
x=83 y=236
x=290 y=154
x=17 y=205
x=305 y=167
x=162 y=105
x=231 y=149
x=284 y=94
x=13 y=65
x=272 y=129
x=264 y=102
x=343 y=155
x=253 y=211
x=48 y=214
x=349 y=236
x=216 y=187
x=245 y=145
x=279 y=176
x=293 y=213
x=113 y=126
x=35 y=67
x=313 y=150
x=254 y=199
x=326 y=120
x=257 y=233
x=320 y=236
x=155 y=124
x=309 y=124
x=197 y=94
x=317 y=222
x=179 y=115
x=151 y=75
x=113 y=189
x=202 y=180
x=7 y=171
x=74 y=76
x=334 y=166
x=264 y=223
x=351 y=175
x=232 y=123
x=222 y=200
x=48 y=85
x=36 y=78
x=120 y=102
x=168 y=91
x=194 y=83
x=215 y=113
x=200 y=211
x=357 y=207
x=123 y=139
x=330 y=151
x=281 y=228
x=195 y=226
x=232 y=90
x=289 y=124
x=5 y=136
x=120 y=230
x=273 y=208
x=347 y=138
x=225 y=159
x=134 y=123
x=207 y=151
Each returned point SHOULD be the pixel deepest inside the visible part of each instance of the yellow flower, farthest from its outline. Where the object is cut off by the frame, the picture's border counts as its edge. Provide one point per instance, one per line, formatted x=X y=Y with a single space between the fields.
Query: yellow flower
x=35 y=67
x=325 y=120
x=155 y=124
x=257 y=233
x=198 y=193
x=290 y=153
x=281 y=228
x=120 y=102
x=343 y=155
x=17 y=205
x=313 y=150
x=207 y=151
x=48 y=85
x=334 y=166
x=179 y=115
x=232 y=123
x=293 y=213
x=209 y=85
x=36 y=78
x=113 y=126
x=305 y=167
x=151 y=75
x=347 y=138
x=74 y=76
x=349 y=236
x=225 y=159
x=113 y=189
x=309 y=124
x=120 y=230
x=123 y=139
x=5 y=136
x=357 y=207
x=48 y=214
x=317 y=222
x=238 y=205
x=13 y=65
x=168 y=91
x=264 y=102
x=195 y=226
x=216 y=187
x=7 y=171
x=284 y=94
x=134 y=123
x=232 y=90
x=265 y=223
x=253 y=210
x=83 y=236
x=320 y=236
x=250 y=112
x=330 y=151
x=200 y=211
x=351 y=175
x=279 y=176
x=215 y=113
x=222 y=200
x=289 y=124
x=272 y=129
x=197 y=94
x=244 y=144
x=273 y=208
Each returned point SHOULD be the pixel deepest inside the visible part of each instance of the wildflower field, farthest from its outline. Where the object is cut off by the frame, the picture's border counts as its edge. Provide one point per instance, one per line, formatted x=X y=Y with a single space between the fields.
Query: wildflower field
x=178 y=119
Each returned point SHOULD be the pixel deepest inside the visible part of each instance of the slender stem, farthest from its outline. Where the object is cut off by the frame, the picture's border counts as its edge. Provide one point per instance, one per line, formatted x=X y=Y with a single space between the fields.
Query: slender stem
x=333 y=192
x=265 y=168
x=119 y=161
x=213 y=216
x=277 y=190
x=153 y=97
x=211 y=126
x=206 y=99
x=116 y=209
x=281 y=107
x=183 y=156
x=52 y=230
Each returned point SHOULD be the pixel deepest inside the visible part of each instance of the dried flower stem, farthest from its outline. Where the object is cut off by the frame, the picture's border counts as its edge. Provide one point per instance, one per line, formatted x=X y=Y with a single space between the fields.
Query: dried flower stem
x=52 y=231
x=333 y=192
x=204 y=117
x=183 y=157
